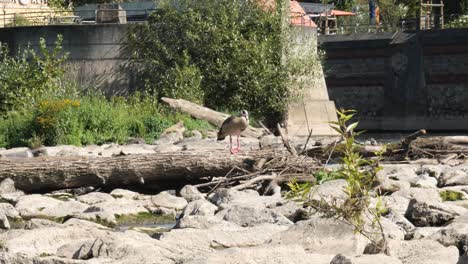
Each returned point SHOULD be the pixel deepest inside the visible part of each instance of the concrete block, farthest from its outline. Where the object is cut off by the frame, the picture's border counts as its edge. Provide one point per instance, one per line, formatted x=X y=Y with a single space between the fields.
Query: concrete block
x=111 y=13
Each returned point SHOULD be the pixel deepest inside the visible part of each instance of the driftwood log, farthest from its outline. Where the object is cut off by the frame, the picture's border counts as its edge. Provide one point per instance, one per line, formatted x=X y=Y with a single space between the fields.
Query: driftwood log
x=54 y=173
x=211 y=116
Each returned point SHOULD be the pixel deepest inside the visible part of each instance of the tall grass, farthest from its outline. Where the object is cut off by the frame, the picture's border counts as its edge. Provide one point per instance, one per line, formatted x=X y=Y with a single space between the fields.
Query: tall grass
x=90 y=119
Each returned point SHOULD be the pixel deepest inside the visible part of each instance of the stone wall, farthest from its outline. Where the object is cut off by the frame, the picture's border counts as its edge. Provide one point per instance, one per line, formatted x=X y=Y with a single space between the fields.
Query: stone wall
x=401 y=81
x=97 y=55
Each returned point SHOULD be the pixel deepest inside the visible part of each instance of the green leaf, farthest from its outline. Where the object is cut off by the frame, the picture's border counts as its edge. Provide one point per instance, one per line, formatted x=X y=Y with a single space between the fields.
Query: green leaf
x=352 y=127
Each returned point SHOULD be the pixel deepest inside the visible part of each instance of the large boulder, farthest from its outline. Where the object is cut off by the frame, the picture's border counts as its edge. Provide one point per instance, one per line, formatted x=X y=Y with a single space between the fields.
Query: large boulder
x=422 y=252
x=251 y=216
x=14 y=153
x=205 y=222
x=454 y=234
x=39 y=206
x=329 y=192
x=227 y=197
x=423 y=232
x=127 y=194
x=107 y=211
x=9 y=210
x=365 y=259
x=4 y=223
x=429 y=214
x=454 y=176
x=85 y=242
x=189 y=243
x=7 y=186
x=191 y=193
x=323 y=236
x=419 y=194
x=167 y=200
x=199 y=207
x=400 y=220
x=95 y=197
x=264 y=254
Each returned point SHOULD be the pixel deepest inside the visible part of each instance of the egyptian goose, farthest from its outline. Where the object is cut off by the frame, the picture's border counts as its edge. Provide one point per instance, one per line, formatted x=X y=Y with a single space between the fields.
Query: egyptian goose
x=233 y=126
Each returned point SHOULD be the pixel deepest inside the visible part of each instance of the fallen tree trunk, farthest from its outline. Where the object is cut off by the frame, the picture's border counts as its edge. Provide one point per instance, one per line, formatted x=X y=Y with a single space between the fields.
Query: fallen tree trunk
x=211 y=116
x=54 y=173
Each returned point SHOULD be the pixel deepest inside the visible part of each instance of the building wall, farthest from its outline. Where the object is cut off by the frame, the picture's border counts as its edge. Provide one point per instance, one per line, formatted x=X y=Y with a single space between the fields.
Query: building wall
x=401 y=81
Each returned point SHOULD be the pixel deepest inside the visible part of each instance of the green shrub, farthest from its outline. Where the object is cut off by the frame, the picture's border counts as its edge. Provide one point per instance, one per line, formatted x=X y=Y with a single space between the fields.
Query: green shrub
x=360 y=175
x=89 y=119
x=227 y=54
x=26 y=77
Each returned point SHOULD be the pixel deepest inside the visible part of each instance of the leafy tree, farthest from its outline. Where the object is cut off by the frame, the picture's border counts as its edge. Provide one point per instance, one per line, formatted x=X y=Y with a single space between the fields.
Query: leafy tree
x=226 y=54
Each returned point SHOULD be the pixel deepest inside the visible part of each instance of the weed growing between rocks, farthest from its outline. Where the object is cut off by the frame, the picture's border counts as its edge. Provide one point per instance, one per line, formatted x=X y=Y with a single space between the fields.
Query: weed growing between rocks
x=449 y=195
x=360 y=174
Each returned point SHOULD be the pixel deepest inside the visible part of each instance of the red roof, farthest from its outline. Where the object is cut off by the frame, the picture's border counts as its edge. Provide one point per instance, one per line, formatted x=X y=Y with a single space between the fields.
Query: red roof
x=298 y=16
x=339 y=13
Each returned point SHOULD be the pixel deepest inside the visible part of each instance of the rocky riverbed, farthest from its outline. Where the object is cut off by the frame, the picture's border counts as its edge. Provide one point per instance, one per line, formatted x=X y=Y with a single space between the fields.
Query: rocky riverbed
x=426 y=220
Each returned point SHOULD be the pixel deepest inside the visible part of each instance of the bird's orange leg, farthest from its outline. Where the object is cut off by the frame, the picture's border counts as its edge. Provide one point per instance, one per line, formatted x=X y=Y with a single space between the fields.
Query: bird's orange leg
x=238 y=144
x=233 y=151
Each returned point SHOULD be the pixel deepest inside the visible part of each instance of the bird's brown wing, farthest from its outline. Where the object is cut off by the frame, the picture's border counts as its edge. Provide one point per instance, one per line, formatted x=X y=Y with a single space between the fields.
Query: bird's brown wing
x=225 y=127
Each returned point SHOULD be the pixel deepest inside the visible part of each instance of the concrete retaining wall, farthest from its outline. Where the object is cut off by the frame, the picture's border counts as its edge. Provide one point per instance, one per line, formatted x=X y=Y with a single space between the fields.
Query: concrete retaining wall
x=97 y=56
x=402 y=81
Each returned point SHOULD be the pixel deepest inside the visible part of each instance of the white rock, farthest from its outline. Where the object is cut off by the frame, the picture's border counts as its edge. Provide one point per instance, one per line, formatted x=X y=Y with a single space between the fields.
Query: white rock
x=164 y=199
x=4 y=223
x=118 y=207
x=200 y=207
x=365 y=259
x=69 y=241
x=392 y=230
x=454 y=176
x=122 y=193
x=429 y=214
x=323 y=236
x=227 y=197
x=36 y=205
x=423 y=232
x=62 y=151
x=191 y=193
x=264 y=254
x=95 y=197
x=40 y=223
x=422 y=252
x=133 y=149
x=455 y=234
x=9 y=210
x=294 y=211
x=400 y=220
x=397 y=204
x=12 y=197
x=330 y=191
x=206 y=222
x=399 y=172
x=16 y=153
x=167 y=148
x=83 y=223
x=420 y=194
x=390 y=186
x=250 y=216
x=7 y=186
x=188 y=242
x=432 y=170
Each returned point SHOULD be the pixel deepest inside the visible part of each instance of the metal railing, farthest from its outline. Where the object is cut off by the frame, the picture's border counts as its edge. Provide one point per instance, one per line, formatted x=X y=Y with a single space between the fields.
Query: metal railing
x=50 y=17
